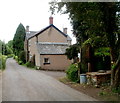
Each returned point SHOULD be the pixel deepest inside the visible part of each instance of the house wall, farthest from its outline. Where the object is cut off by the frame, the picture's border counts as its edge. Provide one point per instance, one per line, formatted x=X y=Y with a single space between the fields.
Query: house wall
x=32 y=46
x=52 y=35
x=37 y=59
x=26 y=49
x=57 y=62
x=25 y=44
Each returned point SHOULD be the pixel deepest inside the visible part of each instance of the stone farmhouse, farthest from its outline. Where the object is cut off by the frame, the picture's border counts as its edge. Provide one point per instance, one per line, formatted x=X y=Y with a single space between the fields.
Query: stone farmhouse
x=48 y=47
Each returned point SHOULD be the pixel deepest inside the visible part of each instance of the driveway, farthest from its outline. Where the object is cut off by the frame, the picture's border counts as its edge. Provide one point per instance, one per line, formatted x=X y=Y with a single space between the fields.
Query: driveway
x=23 y=84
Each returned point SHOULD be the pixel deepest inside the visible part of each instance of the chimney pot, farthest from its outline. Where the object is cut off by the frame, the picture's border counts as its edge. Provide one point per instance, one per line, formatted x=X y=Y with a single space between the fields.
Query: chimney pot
x=27 y=28
x=65 y=30
x=50 y=20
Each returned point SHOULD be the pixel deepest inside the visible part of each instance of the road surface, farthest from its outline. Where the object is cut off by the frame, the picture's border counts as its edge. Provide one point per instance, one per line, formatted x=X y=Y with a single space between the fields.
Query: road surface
x=22 y=84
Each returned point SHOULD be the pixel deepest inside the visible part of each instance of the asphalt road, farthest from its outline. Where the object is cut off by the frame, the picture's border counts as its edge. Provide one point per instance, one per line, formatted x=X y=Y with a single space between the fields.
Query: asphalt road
x=22 y=84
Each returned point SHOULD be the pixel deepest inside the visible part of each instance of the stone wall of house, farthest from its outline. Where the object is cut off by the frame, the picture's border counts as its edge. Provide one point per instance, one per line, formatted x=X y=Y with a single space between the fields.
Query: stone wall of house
x=56 y=62
x=52 y=35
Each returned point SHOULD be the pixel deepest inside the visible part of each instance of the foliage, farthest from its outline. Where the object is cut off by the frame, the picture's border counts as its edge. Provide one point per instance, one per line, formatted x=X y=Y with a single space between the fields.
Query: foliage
x=103 y=51
x=22 y=56
x=85 y=18
x=10 y=55
x=102 y=63
x=72 y=51
x=102 y=93
x=102 y=59
x=20 y=62
x=83 y=67
x=2 y=61
x=18 y=40
x=93 y=19
x=97 y=42
x=4 y=49
x=10 y=45
x=30 y=64
x=72 y=72
x=116 y=90
x=16 y=58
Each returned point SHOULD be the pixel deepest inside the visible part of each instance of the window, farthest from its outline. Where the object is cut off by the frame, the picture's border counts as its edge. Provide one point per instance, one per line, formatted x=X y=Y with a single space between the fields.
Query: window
x=46 y=61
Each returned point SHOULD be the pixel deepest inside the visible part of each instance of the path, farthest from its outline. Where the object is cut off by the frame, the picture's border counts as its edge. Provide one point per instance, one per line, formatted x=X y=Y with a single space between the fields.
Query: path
x=22 y=84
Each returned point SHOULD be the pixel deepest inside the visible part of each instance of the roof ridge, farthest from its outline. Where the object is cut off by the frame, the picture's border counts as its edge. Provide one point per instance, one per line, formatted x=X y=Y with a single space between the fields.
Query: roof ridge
x=42 y=30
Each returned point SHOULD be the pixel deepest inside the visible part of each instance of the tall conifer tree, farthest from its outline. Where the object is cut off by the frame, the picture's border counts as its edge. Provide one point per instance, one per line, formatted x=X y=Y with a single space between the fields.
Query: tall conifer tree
x=18 y=40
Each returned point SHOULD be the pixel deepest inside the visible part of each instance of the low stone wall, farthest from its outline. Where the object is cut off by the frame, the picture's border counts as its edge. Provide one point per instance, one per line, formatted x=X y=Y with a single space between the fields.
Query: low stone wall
x=97 y=79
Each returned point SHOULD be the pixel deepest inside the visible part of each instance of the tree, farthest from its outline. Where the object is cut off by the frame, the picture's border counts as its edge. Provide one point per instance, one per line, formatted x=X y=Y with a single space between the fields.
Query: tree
x=85 y=18
x=10 y=44
x=72 y=52
x=18 y=40
x=4 y=49
x=96 y=19
x=111 y=19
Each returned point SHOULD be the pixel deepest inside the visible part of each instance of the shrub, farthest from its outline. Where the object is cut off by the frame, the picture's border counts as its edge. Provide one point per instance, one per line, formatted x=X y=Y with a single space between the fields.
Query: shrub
x=2 y=61
x=16 y=58
x=102 y=59
x=30 y=64
x=102 y=63
x=116 y=90
x=72 y=72
x=20 y=62
x=10 y=55
x=22 y=56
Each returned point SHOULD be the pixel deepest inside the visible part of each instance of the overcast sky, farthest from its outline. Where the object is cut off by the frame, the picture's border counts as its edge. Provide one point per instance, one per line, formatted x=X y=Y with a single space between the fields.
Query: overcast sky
x=34 y=13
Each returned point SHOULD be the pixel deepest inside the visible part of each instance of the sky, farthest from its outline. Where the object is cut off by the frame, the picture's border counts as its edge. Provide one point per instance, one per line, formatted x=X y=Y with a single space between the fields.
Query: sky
x=34 y=13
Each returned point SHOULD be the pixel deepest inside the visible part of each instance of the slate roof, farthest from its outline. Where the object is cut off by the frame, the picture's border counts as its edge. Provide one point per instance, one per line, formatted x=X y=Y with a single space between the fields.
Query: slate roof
x=52 y=48
x=30 y=34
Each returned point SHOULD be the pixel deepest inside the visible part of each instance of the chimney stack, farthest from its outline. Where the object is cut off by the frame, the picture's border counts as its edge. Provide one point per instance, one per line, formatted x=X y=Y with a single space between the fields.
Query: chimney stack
x=65 y=30
x=27 y=28
x=51 y=20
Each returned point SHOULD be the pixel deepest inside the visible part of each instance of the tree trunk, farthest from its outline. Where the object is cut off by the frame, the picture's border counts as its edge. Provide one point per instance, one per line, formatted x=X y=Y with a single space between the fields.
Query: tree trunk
x=113 y=59
x=116 y=73
x=117 y=78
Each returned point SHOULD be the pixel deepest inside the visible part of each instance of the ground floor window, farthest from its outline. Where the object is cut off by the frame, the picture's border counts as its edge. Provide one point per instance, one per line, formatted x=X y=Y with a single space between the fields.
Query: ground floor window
x=46 y=61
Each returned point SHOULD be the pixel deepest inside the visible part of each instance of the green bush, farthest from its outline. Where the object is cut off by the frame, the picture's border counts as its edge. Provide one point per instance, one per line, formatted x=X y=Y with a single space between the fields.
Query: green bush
x=116 y=90
x=2 y=61
x=102 y=59
x=102 y=62
x=16 y=58
x=72 y=72
x=30 y=64
x=22 y=56
x=10 y=55
x=20 y=62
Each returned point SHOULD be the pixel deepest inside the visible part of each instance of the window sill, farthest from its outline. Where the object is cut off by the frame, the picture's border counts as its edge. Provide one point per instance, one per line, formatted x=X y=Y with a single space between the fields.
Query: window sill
x=46 y=63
